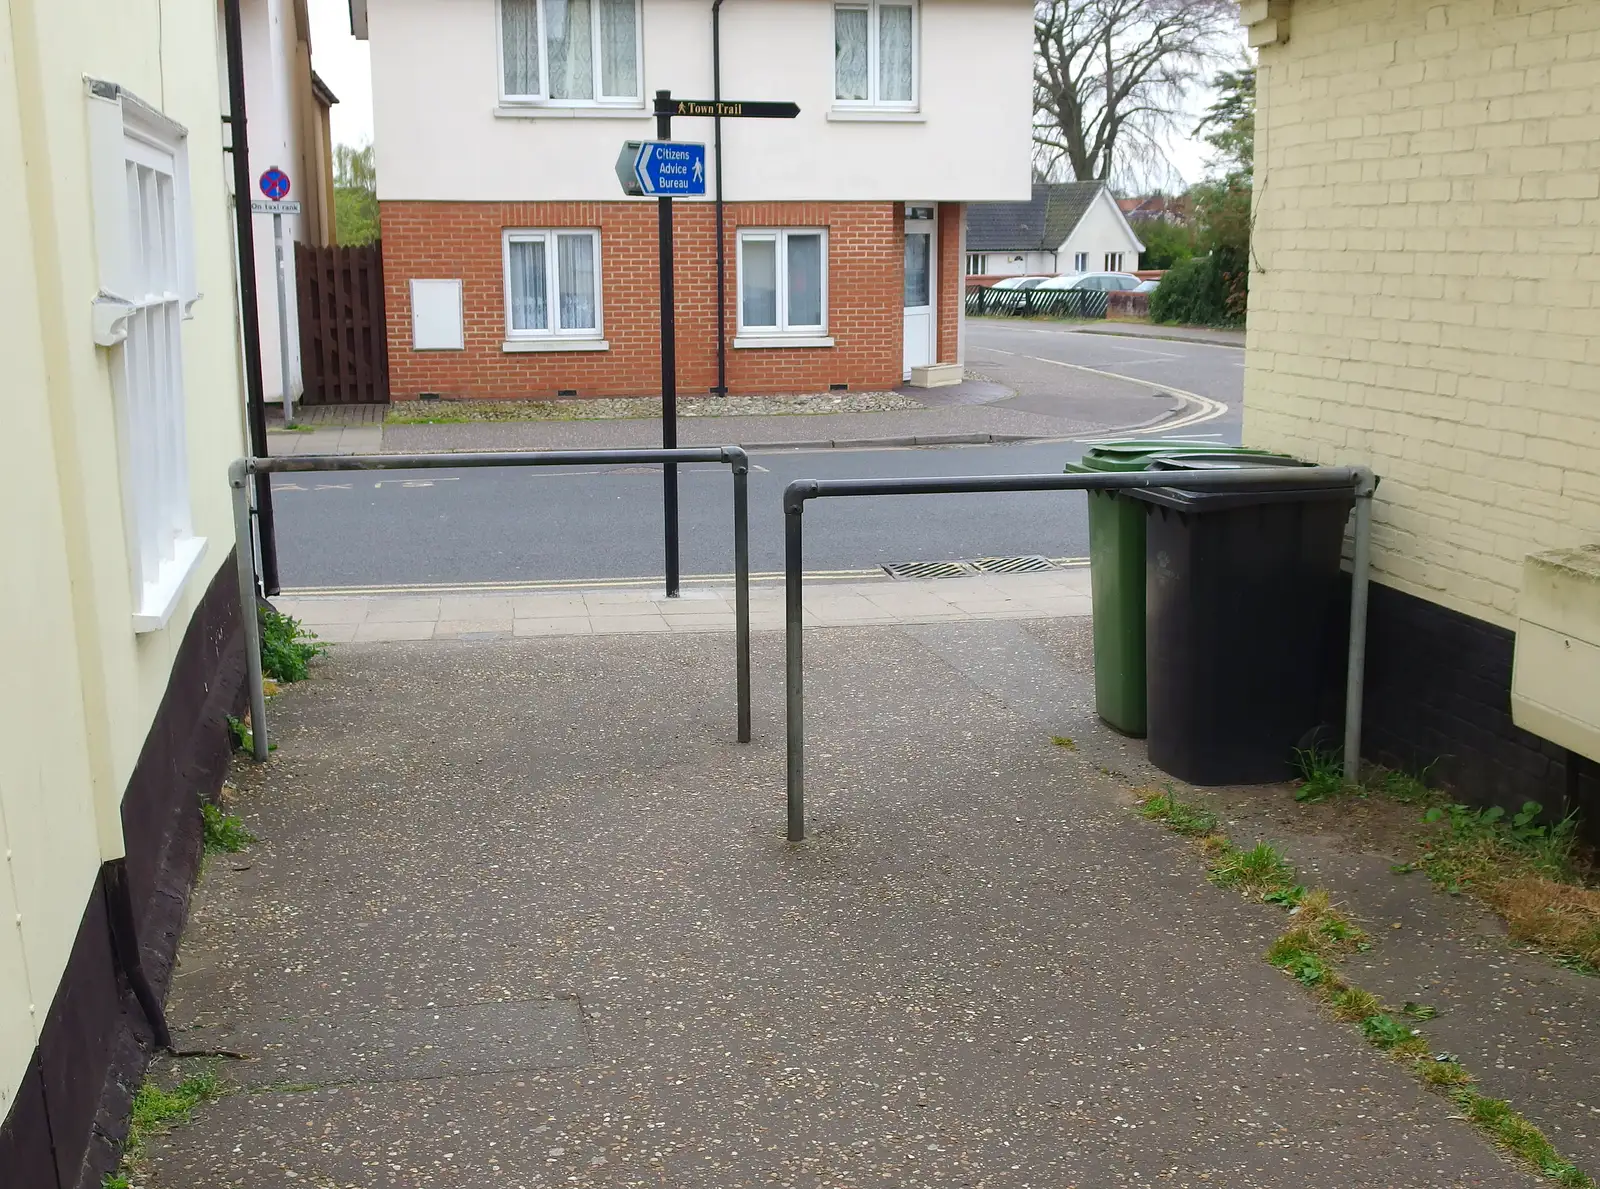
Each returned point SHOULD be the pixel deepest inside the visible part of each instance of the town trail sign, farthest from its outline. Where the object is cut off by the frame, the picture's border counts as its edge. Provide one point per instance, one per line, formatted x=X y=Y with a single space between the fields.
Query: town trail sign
x=662 y=169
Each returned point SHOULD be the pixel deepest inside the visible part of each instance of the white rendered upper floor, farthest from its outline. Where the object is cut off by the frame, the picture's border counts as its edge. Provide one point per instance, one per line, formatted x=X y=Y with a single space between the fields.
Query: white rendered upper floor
x=531 y=100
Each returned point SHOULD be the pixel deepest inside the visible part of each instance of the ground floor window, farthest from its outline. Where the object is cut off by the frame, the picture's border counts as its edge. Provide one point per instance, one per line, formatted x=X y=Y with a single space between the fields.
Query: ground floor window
x=783 y=281
x=1080 y=262
x=1113 y=261
x=552 y=284
x=975 y=264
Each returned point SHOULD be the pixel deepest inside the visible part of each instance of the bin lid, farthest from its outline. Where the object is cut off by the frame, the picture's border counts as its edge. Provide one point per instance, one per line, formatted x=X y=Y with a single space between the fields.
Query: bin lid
x=1136 y=455
x=1218 y=501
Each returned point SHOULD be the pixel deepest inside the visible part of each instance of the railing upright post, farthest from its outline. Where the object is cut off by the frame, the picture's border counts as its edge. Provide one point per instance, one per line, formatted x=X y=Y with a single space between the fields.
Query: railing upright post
x=1355 y=675
x=794 y=677
x=741 y=586
x=244 y=548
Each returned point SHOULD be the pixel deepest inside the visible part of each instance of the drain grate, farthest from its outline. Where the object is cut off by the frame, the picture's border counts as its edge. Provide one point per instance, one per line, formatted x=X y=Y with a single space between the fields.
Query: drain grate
x=1034 y=564
x=1013 y=565
x=928 y=569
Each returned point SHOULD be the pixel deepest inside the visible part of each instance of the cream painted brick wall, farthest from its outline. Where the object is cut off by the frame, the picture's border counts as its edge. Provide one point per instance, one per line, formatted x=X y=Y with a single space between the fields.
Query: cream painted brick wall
x=1426 y=293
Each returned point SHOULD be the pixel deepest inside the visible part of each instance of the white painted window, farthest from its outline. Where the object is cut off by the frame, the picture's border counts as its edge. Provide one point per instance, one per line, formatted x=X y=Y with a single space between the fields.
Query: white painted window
x=571 y=52
x=552 y=280
x=875 y=59
x=975 y=262
x=1113 y=262
x=1080 y=262
x=783 y=282
x=144 y=244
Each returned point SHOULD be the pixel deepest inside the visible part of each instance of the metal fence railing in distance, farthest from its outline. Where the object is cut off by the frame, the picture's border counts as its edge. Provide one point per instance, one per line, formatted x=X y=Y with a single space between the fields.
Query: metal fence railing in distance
x=242 y=470
x=1359 y=480
x=988 y=301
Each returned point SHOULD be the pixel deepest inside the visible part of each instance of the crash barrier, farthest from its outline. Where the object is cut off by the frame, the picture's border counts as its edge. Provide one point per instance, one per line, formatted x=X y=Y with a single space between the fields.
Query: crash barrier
x=1358 y=480
x=1037 y=303
x=240 y=472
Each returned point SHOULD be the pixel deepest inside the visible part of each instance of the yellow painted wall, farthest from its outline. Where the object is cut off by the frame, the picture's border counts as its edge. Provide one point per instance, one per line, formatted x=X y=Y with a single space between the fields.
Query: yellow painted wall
x=80 y=688
x=1426 y=291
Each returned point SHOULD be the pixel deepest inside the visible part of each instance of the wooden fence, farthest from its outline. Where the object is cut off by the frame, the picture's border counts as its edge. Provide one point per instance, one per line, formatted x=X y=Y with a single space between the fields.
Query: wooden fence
x=344 y=347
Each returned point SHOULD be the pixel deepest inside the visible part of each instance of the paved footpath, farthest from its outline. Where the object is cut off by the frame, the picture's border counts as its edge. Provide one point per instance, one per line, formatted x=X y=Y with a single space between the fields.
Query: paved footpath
x=521 y=914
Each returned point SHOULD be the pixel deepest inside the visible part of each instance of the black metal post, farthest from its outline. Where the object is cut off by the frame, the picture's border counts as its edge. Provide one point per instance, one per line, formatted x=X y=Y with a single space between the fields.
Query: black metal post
x=249 y=313
x=722 y=250
x=794 y=666
x=669 y=359
x=741 y=588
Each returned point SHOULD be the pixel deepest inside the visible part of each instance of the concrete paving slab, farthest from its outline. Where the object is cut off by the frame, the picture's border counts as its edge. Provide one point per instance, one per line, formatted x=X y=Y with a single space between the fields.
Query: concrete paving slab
x=381 y=631
x=982 y=969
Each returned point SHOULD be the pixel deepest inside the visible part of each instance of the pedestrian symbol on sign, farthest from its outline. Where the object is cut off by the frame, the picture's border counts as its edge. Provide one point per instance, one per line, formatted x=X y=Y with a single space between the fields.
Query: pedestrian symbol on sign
x=275 y=184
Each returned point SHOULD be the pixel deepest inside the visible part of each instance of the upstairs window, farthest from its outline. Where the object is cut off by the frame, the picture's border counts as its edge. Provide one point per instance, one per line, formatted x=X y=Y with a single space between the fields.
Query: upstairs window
x=875 y=54
x=1113 y=261
x=573 y=52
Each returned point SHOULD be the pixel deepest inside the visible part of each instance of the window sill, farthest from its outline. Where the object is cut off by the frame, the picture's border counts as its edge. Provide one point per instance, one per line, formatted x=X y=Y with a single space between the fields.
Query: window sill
x=875 y=115
x=515 y=346
x=746 y=342
x=159 y=599
x=546 y=111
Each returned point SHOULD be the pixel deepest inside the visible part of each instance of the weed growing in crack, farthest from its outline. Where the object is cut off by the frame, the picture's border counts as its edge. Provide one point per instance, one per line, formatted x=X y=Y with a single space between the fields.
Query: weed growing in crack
x=287 y=649
x=1179 y=816
x=224 y=833
x=1257 y=871
x=1321 y=774
x=157 y=1111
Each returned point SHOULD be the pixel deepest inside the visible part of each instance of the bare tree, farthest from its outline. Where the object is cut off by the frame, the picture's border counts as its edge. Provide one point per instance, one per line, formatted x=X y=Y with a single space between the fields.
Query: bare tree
x=1111 y=77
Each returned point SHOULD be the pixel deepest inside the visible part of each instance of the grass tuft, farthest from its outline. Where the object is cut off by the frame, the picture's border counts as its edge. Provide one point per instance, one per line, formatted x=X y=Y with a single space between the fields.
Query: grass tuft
x=1508 y=1129
x=1386 y=1032
x=157 y=1111
x=287 y=648
x=1259 y=870
x=1444 y=1074
x=1354 y=1005
x=1064 y=743
x=1321 y=774
x=1563 y=918
x=1179 y=815
x=224 y=833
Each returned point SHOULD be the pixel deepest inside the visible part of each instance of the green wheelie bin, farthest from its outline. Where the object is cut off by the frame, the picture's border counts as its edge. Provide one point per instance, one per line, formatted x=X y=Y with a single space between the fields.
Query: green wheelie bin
x=1116 y=575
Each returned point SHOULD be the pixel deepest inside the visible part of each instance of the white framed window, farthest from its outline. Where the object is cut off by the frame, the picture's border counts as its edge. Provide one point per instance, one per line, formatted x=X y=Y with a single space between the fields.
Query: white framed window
x=875 y=56
x=552 y=279
x=571 y=53
x=139 y=178
x=1080 y=262
x=783 y=282
x=975 y=262
x=1113 y=262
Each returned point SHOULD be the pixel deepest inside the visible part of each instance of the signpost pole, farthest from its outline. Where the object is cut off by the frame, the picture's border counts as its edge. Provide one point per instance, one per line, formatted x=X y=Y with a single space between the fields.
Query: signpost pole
x=283 y=321
x=669 y=359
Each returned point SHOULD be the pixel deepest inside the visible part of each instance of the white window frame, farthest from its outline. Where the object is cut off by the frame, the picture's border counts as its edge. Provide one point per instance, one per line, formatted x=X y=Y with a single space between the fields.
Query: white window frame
x=139 y=186
x=975 y=264
x=542 y=99
x=552 y=333
x=872 y=100
x=1080 y=262
x=784 y=329
x=1113 y=262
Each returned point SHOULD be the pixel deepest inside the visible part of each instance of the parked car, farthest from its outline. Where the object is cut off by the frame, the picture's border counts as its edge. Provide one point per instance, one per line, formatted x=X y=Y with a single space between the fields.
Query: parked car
x=1107 y=282
x=1147 y=286
x=1020 y=283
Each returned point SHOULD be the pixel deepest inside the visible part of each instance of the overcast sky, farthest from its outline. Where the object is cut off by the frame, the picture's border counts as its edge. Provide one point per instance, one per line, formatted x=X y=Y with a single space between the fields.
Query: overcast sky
x=343 y=64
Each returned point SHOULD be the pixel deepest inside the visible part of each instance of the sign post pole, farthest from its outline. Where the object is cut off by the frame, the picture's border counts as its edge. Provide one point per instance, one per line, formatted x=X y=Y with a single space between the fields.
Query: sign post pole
x=283 y=321
x=274 y=185
x=669 y=359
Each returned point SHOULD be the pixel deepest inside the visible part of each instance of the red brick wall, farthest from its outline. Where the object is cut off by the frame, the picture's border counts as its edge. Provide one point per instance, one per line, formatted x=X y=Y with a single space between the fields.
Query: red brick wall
x=952 y=286
x=462 y=240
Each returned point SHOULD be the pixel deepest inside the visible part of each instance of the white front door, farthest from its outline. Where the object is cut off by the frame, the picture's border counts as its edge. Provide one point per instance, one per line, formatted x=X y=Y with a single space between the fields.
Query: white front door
x=922 y=326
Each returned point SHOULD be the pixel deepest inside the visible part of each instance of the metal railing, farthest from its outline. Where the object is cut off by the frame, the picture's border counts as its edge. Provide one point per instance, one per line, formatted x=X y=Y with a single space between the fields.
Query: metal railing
x=1359 y=480
x=241 y=471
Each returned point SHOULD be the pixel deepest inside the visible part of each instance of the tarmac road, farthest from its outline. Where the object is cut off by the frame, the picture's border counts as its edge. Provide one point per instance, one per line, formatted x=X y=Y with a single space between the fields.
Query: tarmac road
x=564 y=525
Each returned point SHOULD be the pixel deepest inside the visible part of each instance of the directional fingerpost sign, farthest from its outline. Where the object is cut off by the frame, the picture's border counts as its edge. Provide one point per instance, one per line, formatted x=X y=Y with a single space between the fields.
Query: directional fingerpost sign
x=275 y=184
x=730 y=109
x=662 y=169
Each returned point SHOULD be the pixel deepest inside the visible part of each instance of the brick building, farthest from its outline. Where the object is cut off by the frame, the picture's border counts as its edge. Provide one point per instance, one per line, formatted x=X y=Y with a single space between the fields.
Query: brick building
x=1425 y=299
x=515 y=267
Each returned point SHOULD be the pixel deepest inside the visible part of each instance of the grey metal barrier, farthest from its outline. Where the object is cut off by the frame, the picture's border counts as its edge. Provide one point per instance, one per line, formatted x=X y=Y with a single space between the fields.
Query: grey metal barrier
x=240 y=472
x=1361 y=481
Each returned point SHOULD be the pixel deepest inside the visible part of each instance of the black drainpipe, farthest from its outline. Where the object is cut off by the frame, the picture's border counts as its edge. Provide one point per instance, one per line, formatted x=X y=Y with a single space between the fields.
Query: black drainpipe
x=722 y=250
x=244 y=223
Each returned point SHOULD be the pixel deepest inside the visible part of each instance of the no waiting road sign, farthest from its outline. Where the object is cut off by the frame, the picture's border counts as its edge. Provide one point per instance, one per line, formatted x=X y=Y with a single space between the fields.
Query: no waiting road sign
x=275 y=184
x=662 y=169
